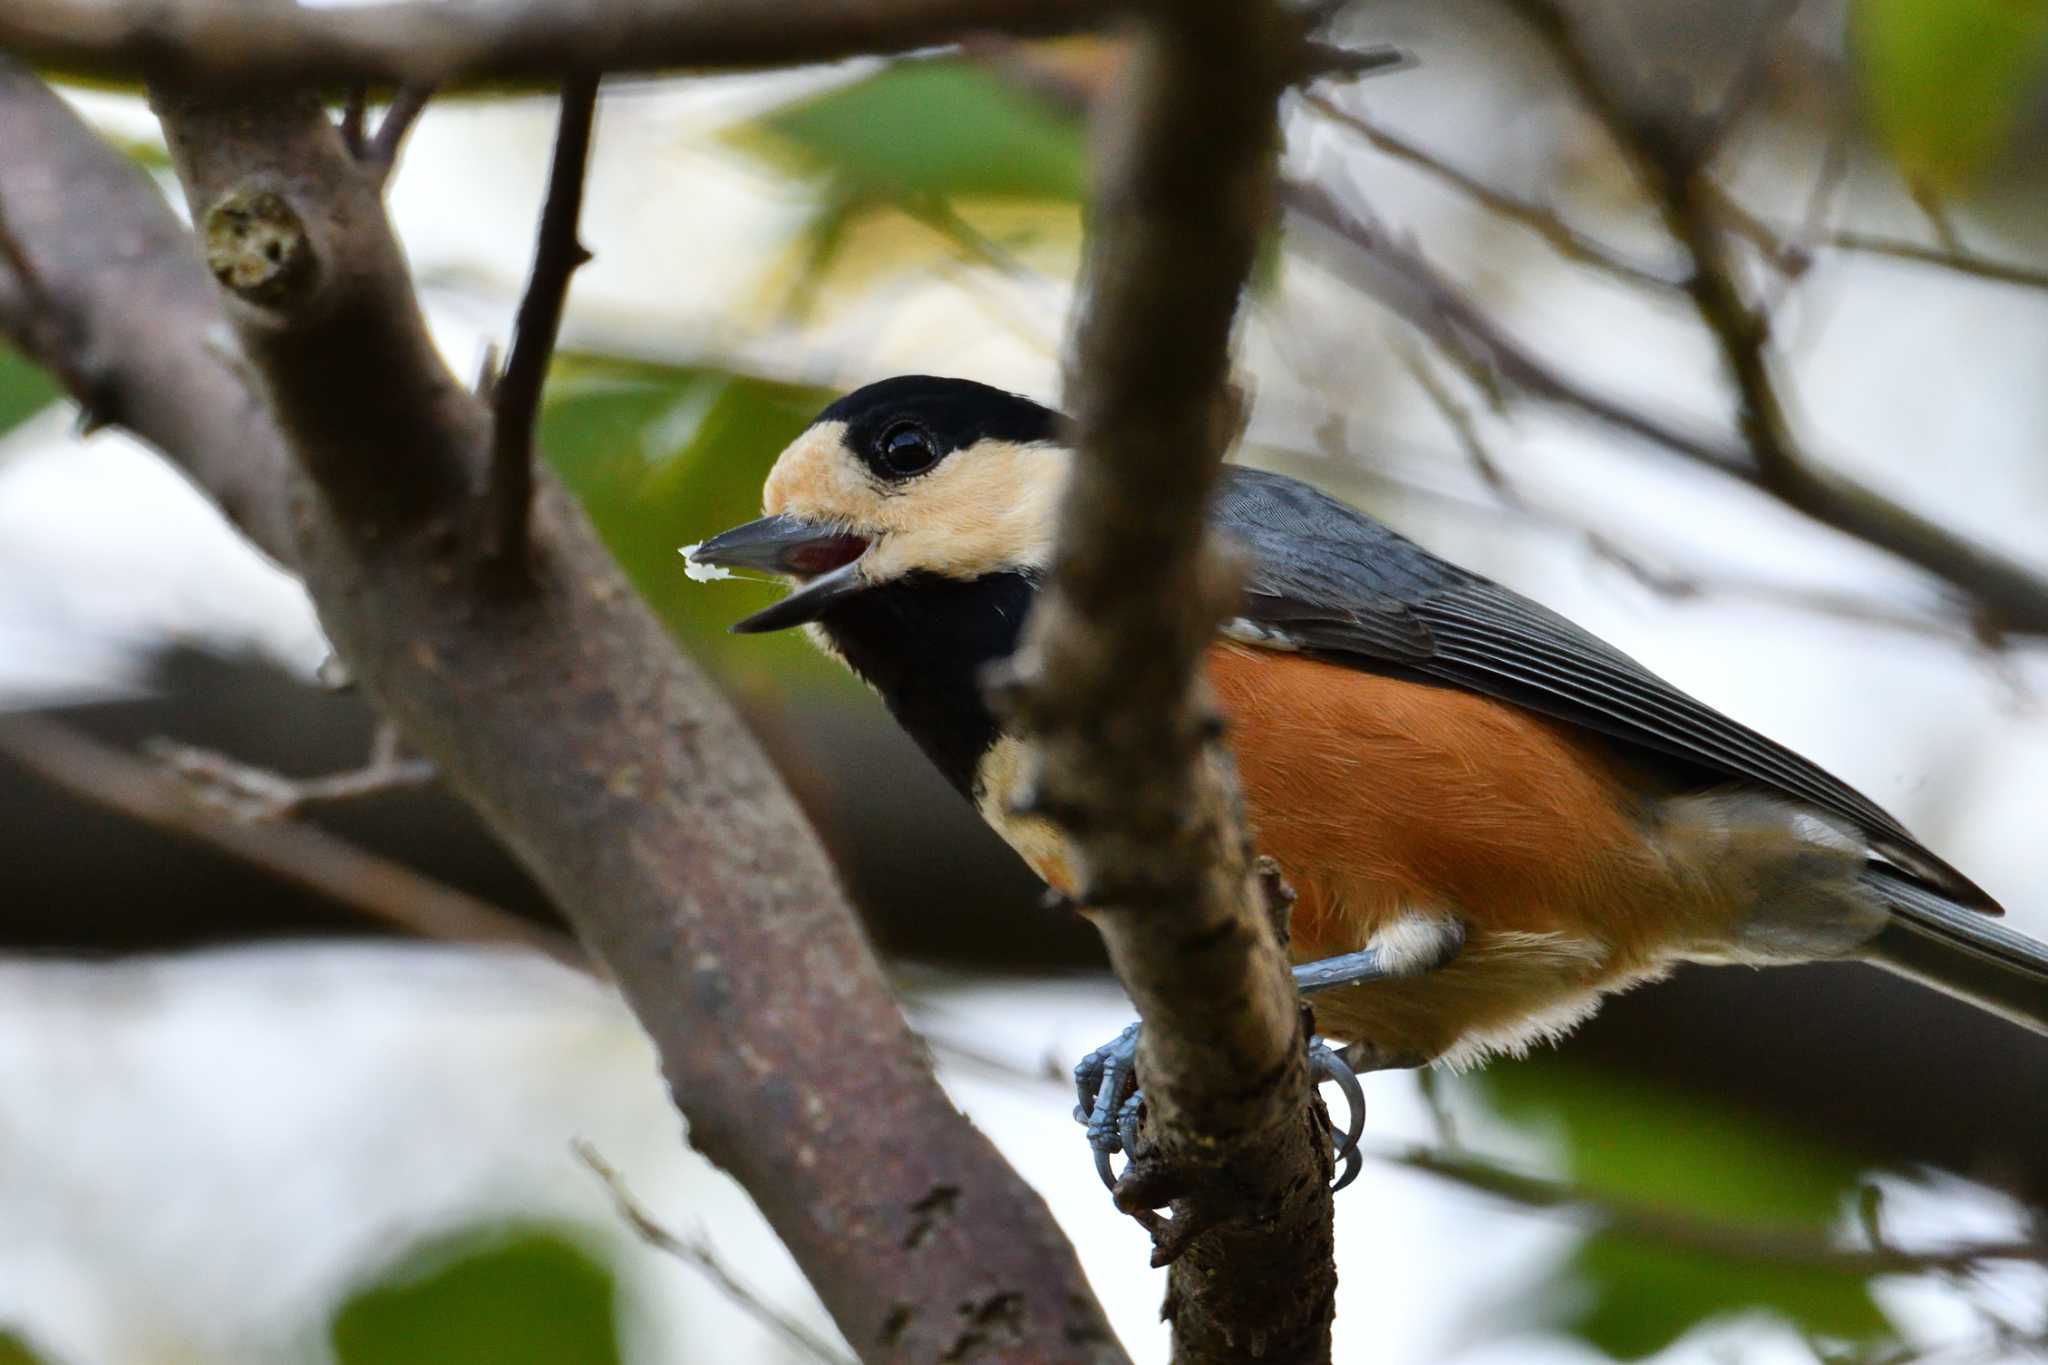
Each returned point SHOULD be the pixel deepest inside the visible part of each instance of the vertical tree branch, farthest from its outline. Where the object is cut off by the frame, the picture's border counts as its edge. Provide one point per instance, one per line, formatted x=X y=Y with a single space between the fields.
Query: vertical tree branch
x=515 y=397
x=1108 y=687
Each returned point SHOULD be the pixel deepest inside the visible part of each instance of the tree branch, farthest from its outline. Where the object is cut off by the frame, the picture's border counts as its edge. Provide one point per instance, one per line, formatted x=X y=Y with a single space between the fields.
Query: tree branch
x=1540 y=219
x=565 y=715
x=376 y=887
x=407 y=43
x=515 y=395
x=1123 y=747
x=1668 y=157
x=1788 y=1247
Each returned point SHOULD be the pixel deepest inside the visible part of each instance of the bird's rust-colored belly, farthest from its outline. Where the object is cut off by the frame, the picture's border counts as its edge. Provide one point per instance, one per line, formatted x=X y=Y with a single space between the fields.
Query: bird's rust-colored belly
x=1382 y=798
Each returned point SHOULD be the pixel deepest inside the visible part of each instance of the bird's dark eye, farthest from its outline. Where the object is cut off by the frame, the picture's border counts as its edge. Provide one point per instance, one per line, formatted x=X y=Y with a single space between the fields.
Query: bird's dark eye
x=904 y=450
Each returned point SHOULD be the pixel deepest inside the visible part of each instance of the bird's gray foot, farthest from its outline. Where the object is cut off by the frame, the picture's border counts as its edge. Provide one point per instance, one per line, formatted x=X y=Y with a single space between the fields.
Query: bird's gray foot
x=1106 y=1086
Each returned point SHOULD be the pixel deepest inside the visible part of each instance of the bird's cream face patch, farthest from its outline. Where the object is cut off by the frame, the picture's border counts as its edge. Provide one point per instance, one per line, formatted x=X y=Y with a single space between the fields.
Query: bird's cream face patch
x=981 y=510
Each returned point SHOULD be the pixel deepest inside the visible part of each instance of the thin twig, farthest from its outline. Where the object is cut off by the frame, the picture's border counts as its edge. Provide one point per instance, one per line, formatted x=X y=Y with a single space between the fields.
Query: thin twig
x=515 y=403
x=1787 y=1247
x=2008 y=595
x=2003 y=272
x=1544 y=221
x=364 y=882
x=250 y=793
x=1403 y=280
x=380 y=153
x=697 y=1253
x=355 y=114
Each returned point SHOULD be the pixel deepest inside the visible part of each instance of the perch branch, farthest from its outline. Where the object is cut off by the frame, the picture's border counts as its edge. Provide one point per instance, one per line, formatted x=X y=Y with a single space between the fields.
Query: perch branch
x=564 y=715
x=1123 y=751
x=516 y=393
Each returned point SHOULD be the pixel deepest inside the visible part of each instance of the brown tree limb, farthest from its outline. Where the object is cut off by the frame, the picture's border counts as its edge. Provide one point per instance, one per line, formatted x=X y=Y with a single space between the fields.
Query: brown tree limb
x=378 y=888
x=406 y=43
x=515 y=394
x=1123 y=741
x=601 y=757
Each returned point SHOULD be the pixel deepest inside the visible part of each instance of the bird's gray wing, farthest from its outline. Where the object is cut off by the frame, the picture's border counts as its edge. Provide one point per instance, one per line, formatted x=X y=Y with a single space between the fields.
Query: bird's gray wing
x=1327 y=580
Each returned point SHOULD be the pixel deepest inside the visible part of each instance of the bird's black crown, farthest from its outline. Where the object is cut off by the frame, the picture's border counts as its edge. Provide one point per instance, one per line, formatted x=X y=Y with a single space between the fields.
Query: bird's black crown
x=902 y=427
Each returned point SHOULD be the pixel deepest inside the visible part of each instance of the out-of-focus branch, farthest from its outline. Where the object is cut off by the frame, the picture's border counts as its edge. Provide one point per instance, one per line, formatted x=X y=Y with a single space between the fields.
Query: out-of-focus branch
x=1792 y=1248
x=372 y=886
x=1122 y=737
x=1397 y=274
x=515 y=396
x=696 y=1252
x=408 y=43
x=1669 y=156
x=563 y=714
x=380 y=149
x=1540 y=219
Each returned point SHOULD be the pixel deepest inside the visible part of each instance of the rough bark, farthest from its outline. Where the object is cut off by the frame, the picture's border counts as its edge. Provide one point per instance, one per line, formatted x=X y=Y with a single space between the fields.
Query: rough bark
x=1124 y=740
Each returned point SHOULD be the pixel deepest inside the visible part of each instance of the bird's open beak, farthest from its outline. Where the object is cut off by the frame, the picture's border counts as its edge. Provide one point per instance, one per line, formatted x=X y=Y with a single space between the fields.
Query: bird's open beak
x=824 y=556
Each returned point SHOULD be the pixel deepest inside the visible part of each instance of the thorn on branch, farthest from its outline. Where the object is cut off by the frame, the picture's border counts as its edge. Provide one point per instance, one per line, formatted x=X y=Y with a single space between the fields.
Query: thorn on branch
x=515 y=399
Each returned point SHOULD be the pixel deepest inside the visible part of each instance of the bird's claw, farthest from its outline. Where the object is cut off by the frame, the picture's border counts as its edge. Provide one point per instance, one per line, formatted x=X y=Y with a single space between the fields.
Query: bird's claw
x=1110 y=1103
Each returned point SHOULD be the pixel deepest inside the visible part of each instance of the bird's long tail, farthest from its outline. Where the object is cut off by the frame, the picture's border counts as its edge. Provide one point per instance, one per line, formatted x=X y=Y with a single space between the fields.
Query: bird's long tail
x=1959 y=952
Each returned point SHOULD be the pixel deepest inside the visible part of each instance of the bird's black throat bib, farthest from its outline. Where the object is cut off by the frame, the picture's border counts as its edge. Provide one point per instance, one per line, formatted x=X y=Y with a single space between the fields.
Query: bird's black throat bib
x=923 y=642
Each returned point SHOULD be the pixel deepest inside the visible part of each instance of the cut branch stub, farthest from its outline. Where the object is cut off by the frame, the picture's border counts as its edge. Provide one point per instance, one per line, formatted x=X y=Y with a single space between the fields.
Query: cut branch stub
x=257 y=247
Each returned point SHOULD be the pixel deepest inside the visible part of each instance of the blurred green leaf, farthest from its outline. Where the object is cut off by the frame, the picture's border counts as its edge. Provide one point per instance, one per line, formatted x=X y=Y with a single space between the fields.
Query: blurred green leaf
x=665 y=456
x=25 y=389
x=1946 y=80
x=15 y=1351
x=1642 y=1144
x=523 y=1295
x=924 y=138
x=940 y=128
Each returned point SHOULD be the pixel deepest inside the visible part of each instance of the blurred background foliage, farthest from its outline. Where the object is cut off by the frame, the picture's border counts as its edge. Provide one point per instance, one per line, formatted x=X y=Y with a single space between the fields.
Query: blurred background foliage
x=971 y=170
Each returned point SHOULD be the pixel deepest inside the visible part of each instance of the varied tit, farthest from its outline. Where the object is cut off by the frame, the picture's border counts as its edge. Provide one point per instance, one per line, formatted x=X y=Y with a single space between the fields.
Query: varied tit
x=1490 y=817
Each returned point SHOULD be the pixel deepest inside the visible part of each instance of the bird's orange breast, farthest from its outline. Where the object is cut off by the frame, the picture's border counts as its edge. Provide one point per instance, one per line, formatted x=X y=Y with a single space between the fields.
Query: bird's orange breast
x=1382 y=798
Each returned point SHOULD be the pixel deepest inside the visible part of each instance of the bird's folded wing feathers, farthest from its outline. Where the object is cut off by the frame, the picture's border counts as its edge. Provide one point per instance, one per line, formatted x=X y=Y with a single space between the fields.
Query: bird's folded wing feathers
x=1328 y=581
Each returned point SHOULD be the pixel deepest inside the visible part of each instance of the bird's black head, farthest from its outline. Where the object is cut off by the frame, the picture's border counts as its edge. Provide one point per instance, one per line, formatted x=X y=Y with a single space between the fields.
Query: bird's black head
x=913 y=475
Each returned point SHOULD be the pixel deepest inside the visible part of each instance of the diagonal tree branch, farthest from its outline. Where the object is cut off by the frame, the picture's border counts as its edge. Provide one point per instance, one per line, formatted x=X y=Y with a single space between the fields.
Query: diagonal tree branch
x=1669 y=156
x=515 y=396
x=1123 y=750
x=564 y=715
x=300 y=854
x=404 y=42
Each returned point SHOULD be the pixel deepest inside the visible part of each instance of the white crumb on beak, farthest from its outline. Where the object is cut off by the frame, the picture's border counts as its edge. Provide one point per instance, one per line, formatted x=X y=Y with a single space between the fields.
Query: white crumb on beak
x=700 y=573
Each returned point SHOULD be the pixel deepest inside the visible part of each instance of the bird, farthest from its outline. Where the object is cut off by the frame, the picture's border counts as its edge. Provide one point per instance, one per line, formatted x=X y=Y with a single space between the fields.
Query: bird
x=1491 y=818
